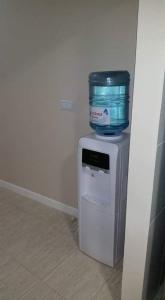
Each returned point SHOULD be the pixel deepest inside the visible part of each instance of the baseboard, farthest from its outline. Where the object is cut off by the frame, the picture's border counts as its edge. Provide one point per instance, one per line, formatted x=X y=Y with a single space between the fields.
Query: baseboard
x=40 y=198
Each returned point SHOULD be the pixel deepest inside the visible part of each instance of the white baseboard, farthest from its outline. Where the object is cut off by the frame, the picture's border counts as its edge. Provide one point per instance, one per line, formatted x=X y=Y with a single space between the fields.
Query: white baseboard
x=40 y=198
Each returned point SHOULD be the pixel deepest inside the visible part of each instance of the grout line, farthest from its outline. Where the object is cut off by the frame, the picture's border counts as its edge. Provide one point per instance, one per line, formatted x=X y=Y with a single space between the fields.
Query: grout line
x=96 y=293
x=12 y=257
x=40 y=280
x=43 y=280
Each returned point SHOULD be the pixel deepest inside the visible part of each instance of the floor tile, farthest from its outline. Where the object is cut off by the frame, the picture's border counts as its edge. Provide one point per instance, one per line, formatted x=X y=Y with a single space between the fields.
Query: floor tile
x=111 y=289
x=42 y=292
x=41 y=250
x=16 y=280
x=78 y=277
x=40 y=258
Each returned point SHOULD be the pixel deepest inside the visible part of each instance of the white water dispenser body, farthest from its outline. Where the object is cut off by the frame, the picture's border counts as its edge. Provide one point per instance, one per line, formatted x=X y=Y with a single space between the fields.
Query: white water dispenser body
x=102 y=191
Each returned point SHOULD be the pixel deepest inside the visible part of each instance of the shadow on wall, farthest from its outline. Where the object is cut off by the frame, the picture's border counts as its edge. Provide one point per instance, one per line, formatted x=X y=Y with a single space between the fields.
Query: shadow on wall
x=69 y=193
x=68 y=181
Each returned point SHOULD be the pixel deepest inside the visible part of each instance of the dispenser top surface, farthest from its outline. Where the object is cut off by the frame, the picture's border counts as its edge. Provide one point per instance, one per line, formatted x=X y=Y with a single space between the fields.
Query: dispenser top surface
x=124 y=137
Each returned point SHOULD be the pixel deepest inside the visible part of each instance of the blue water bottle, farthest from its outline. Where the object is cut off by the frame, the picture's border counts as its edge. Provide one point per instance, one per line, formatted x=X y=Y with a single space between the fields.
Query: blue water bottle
x=109 y=101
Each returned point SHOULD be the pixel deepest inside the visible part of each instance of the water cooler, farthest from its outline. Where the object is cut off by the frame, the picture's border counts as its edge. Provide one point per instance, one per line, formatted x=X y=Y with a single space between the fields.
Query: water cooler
x=103 y=169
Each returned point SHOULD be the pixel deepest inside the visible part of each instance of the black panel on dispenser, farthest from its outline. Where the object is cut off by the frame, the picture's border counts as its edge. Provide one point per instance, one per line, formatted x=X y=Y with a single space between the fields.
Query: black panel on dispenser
x=95 y=159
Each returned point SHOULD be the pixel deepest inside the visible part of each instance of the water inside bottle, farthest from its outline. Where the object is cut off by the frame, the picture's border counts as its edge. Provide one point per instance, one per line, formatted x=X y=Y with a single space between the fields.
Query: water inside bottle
x=109 y=104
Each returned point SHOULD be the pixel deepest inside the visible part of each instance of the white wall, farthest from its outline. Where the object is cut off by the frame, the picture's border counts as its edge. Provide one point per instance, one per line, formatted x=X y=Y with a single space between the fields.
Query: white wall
x=148 y=89
x=47 y=49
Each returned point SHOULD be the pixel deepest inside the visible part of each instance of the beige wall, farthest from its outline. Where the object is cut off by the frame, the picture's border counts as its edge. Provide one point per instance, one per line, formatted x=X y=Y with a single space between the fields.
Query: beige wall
x=146 y=151
x=47 y=50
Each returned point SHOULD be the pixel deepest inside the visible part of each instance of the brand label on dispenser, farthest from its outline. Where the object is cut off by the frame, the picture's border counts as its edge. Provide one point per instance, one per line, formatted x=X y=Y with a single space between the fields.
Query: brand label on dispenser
x=100 y=115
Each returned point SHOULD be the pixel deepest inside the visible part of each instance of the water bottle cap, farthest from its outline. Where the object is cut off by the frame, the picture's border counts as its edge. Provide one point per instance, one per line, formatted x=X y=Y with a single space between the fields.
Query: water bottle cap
x=109 y=78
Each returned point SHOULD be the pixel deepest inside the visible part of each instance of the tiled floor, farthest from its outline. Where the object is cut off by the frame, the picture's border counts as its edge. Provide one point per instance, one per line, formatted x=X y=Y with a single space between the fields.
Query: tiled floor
x=40 y=259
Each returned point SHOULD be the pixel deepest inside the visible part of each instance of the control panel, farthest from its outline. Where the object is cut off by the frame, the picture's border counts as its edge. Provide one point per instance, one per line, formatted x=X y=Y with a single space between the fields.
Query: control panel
x=97 y=161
